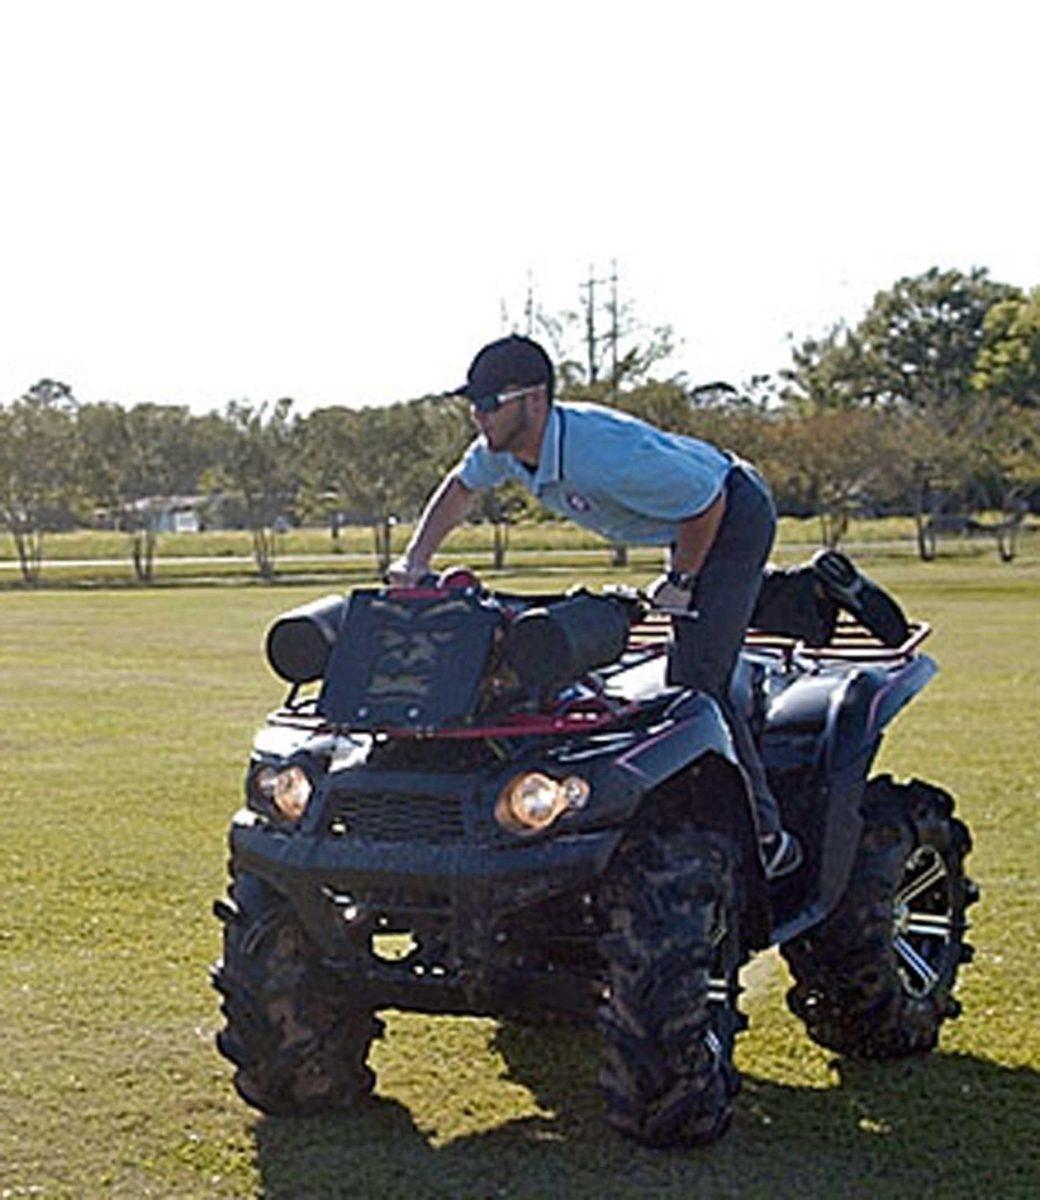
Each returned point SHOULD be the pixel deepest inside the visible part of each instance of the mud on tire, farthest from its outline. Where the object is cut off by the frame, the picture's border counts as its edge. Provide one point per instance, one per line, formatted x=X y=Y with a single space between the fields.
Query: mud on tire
x=669 y=1018
x=297 y=1044
x=875 y=980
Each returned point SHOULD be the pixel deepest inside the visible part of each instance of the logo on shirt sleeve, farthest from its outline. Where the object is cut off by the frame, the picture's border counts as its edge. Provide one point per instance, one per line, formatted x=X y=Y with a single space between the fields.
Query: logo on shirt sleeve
x=578 y=502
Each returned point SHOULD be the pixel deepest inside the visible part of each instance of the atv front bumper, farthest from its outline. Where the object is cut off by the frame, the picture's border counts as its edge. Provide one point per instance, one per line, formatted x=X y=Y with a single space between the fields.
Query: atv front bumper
x=452 y=899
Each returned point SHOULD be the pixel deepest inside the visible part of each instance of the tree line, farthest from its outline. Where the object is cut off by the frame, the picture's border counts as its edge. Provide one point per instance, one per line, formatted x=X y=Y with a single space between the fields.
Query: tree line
x=932 y=400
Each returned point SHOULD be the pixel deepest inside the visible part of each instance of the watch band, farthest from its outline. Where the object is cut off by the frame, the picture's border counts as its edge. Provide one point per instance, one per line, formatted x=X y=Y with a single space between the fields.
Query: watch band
x=681 y=579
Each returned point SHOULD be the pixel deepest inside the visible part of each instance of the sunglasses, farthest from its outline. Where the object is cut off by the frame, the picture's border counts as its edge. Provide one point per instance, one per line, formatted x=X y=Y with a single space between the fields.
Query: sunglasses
x=494 y=401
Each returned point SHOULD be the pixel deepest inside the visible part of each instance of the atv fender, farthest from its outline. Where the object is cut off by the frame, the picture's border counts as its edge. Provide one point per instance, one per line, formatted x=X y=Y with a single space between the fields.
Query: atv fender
x=694 y=727
x=818 y=722
x=627 y=768
x=869 y=701
x=690 y=768
x=837 y=730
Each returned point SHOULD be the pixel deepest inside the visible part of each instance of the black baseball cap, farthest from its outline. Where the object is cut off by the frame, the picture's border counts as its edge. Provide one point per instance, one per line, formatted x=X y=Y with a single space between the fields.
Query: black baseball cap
x=514 y=361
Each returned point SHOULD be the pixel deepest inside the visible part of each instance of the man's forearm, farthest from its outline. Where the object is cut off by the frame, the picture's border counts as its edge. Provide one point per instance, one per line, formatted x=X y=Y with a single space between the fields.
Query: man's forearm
x=447 y=507
x=696 y=535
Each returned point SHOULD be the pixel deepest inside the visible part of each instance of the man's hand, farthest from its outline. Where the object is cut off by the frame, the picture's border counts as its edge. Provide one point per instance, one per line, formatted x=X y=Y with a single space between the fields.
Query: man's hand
x=669 y=597
x=404 y=572
x=446 y=508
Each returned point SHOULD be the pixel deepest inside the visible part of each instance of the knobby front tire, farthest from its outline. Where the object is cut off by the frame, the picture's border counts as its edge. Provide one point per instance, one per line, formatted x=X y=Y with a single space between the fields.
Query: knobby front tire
x=298 y=1045
x=669 y=1016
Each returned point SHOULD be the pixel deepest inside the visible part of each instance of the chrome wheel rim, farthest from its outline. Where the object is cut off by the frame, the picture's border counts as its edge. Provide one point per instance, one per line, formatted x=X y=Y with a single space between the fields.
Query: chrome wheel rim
x=923 y=921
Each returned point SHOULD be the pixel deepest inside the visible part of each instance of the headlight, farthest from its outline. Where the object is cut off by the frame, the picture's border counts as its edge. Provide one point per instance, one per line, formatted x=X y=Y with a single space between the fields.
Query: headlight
x=532 y=801
x=289 y=789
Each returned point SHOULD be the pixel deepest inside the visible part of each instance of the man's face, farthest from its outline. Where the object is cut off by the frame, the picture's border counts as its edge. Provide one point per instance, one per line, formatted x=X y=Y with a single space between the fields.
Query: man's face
x=505 y=426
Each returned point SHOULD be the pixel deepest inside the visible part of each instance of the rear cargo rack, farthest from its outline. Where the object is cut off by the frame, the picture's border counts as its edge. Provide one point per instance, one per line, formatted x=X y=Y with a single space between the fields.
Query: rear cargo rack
x=850 y=642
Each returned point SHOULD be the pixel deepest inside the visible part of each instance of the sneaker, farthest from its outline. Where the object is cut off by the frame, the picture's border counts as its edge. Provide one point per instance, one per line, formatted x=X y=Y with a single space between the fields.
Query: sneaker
x=870 y=604
x=781 y=853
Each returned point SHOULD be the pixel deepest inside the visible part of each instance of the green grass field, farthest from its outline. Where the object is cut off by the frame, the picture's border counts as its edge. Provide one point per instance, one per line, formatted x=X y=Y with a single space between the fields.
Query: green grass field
x=125 y=719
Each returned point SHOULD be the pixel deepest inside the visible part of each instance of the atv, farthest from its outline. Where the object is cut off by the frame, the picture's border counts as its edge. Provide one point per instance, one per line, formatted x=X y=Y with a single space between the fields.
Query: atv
x=476 y=802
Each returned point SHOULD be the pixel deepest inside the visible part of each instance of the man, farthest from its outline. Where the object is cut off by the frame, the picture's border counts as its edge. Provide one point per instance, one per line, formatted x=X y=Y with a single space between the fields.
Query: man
x=632 y=483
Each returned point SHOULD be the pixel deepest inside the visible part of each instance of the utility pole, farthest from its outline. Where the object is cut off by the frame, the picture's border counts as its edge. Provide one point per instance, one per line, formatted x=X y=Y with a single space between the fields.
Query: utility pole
x=529 y=305
x=613 y=329
x=590 y=324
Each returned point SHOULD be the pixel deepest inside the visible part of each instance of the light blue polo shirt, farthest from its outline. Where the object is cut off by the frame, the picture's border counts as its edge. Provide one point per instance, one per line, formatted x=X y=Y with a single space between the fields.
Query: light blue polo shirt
x=609 y=472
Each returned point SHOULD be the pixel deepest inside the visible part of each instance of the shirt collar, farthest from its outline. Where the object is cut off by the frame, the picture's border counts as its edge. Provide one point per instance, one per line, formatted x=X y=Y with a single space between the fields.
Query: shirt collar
x=550 y=456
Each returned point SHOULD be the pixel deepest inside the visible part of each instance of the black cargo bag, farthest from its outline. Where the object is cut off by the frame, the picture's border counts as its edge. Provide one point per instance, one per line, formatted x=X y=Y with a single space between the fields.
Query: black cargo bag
x=790 y=603
x=409 y=660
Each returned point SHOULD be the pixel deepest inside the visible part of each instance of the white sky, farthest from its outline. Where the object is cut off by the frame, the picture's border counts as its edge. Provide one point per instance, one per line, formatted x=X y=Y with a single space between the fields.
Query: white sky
x=226 y=199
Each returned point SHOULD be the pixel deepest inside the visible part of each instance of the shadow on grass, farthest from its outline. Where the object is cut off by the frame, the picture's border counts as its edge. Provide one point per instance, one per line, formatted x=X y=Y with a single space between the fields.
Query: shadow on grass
x=945 y=1122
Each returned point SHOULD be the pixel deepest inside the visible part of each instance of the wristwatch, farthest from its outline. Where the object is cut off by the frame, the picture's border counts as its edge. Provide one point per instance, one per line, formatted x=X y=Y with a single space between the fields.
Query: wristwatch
x=681 y=579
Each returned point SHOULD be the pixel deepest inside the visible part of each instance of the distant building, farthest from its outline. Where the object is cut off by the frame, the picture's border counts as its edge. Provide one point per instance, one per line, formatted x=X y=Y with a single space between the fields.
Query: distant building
x=170 y=514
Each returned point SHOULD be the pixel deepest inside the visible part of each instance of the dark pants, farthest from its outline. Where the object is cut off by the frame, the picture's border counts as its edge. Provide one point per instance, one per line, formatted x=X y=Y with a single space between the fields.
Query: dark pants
x=704 y=652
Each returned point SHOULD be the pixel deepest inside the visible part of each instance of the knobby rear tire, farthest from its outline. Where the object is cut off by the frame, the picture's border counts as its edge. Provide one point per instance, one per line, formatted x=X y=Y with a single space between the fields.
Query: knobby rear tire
x=298 y=1045
x=876 y=978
